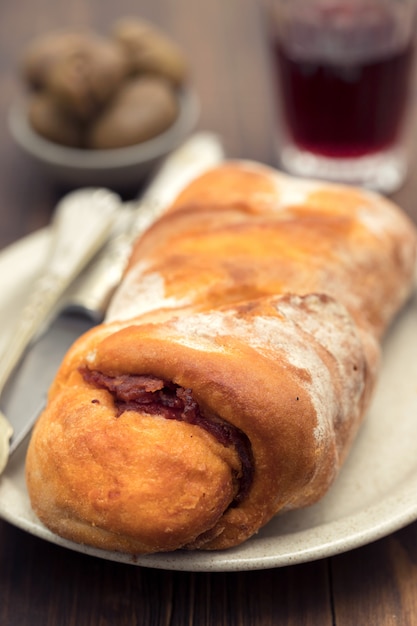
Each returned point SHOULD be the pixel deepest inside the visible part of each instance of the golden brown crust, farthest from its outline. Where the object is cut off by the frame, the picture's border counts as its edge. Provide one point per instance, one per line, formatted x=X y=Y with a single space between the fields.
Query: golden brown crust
x=253 y=293
x=268 y=233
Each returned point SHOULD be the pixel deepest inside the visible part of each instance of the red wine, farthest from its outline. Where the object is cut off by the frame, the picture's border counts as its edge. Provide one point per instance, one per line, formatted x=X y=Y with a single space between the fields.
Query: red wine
x=344 y=93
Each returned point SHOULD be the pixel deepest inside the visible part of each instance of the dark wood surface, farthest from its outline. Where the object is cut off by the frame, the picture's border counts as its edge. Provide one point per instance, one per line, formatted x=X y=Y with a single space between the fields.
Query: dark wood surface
x=45 y=585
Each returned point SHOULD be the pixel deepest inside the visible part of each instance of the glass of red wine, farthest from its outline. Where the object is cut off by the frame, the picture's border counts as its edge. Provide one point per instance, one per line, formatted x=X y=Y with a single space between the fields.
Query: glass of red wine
x=343 y=73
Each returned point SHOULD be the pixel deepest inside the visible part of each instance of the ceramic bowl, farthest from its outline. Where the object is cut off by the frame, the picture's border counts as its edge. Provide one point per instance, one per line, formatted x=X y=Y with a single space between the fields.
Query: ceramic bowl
x=114 y=168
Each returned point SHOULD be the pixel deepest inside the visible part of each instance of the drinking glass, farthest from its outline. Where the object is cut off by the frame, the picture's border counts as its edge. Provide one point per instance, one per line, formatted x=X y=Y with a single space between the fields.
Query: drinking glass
x=343 y=73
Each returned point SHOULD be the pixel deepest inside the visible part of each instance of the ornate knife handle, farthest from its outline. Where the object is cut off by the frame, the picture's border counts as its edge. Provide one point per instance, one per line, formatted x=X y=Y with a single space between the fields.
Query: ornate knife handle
x=81 y=225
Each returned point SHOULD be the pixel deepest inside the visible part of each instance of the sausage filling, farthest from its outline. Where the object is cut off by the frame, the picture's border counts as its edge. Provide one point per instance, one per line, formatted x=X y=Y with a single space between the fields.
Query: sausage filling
x=154 y=396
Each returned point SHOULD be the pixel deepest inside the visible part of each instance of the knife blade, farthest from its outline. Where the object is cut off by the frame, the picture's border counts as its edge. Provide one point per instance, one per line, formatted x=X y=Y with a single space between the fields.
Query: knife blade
x=84 y=304
x=25 y=394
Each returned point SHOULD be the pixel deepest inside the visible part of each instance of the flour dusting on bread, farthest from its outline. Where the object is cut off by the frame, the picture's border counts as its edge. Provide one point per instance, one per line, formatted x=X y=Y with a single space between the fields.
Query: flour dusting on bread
x=235 y=366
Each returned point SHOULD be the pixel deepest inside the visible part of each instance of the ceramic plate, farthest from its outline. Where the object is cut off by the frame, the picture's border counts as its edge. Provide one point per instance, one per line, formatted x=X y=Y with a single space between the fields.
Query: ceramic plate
x=375 y=494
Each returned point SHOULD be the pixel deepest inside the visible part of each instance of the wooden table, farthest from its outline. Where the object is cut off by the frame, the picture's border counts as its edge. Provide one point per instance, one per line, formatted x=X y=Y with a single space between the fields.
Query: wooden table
x=44 y=585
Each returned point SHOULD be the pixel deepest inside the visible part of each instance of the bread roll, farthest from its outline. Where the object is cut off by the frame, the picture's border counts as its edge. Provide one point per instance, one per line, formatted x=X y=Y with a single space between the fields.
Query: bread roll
x=234 y=368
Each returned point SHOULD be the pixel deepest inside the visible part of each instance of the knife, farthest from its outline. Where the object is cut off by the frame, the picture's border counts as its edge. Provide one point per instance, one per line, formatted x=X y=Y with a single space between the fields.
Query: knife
x=85 y=302
x=82 y=222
